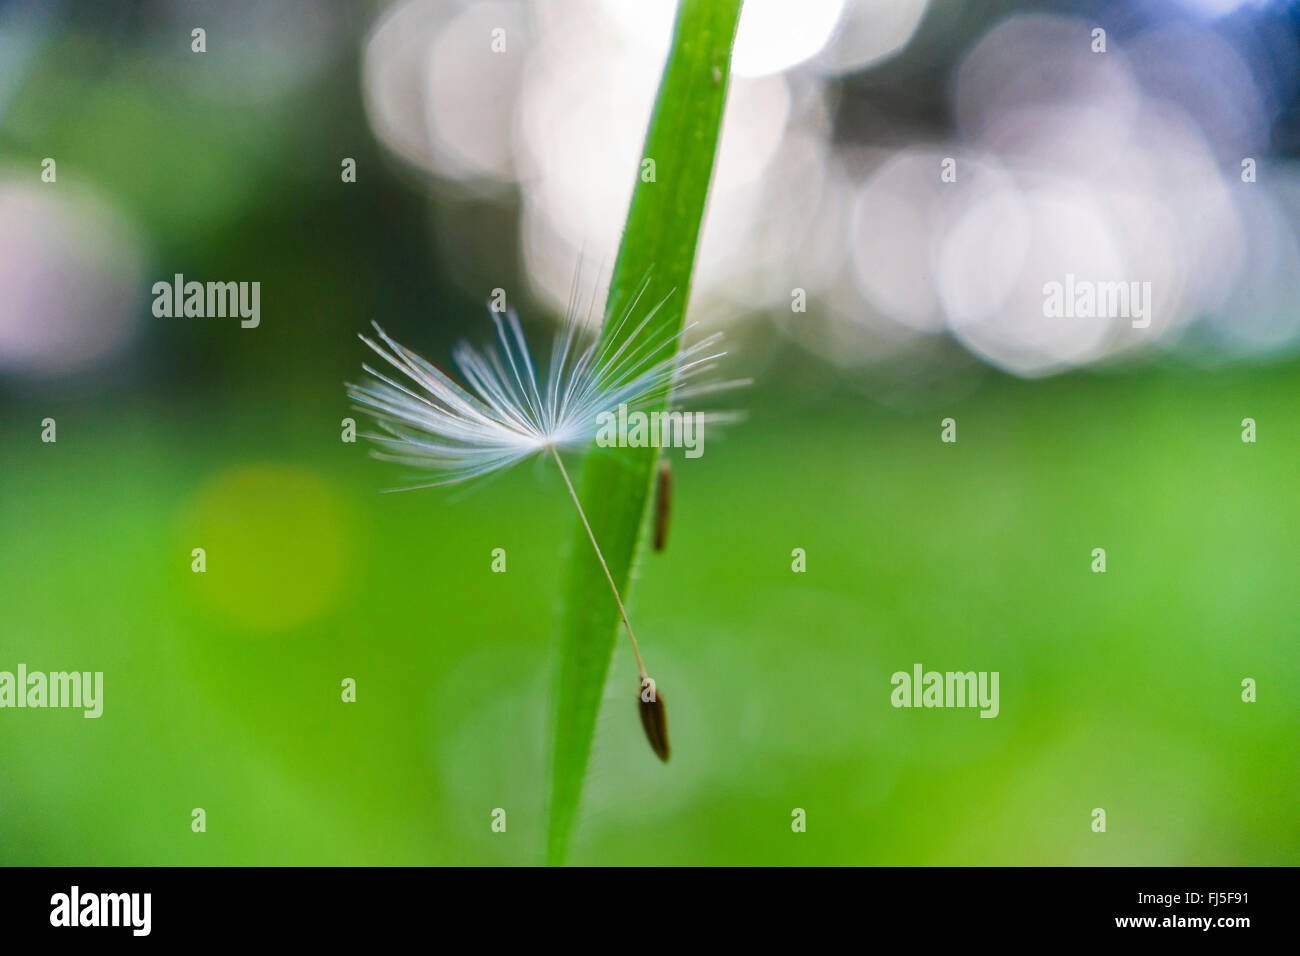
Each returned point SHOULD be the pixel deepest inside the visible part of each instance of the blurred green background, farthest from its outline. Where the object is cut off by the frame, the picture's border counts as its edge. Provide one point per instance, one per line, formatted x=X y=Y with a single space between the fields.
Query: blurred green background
x=222 y=690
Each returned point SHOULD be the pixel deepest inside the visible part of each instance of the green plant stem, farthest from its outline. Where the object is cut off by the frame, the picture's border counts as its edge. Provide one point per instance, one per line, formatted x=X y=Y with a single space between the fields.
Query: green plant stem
x=659 y=241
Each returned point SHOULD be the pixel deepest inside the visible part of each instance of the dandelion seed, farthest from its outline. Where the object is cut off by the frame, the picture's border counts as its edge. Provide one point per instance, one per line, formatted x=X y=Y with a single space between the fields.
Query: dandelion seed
x=663 y=502
x=505 y=412
x=654 y=718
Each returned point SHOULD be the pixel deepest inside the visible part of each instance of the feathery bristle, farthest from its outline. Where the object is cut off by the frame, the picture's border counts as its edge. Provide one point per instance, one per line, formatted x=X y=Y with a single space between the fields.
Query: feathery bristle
x=506 y=411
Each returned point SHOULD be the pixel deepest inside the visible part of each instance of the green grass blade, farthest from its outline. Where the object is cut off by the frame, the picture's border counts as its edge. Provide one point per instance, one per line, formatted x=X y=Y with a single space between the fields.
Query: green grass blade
x=659 y=240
